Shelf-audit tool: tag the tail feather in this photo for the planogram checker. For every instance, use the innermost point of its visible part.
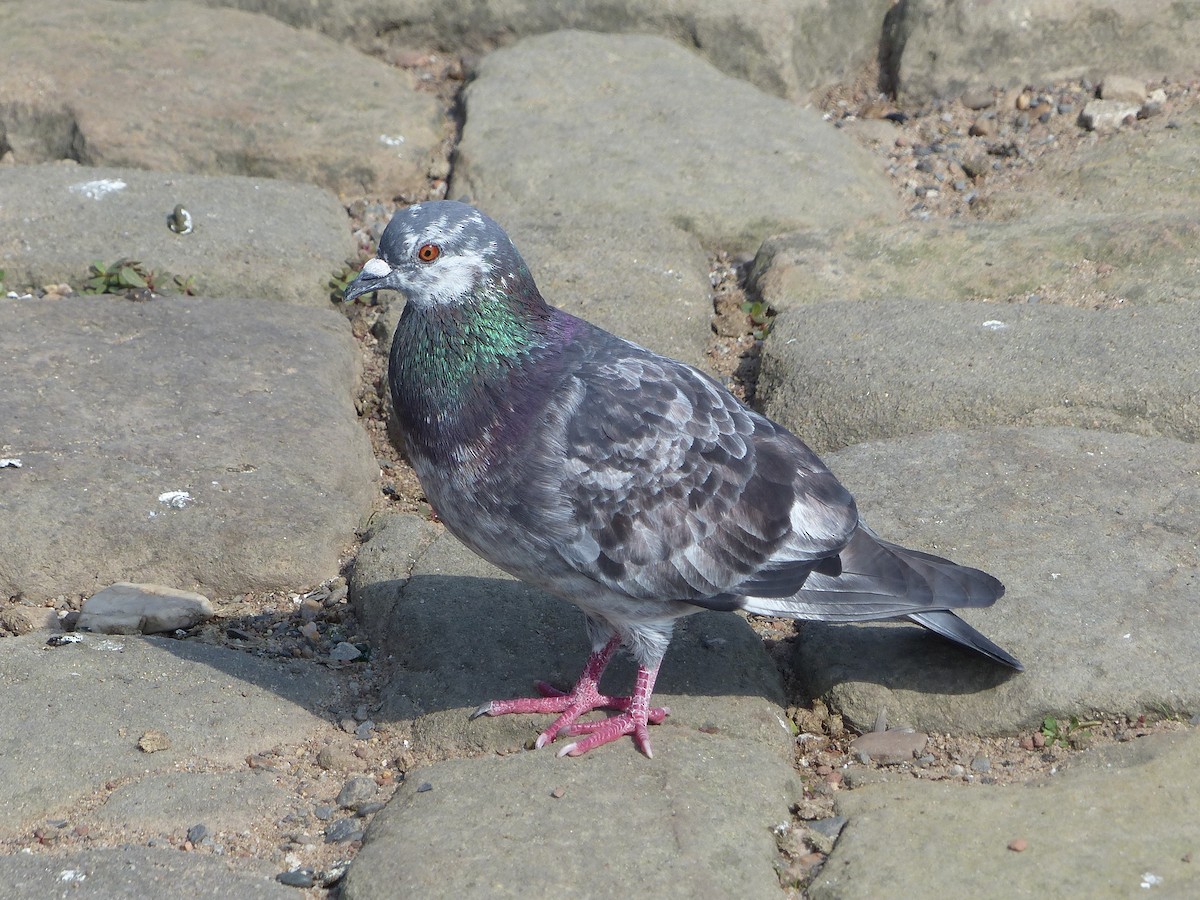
(950, 626)
(881, 580)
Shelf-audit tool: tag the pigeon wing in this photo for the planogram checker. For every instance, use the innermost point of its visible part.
(680, 492)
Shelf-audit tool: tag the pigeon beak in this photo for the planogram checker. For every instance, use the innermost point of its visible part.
(373, 277)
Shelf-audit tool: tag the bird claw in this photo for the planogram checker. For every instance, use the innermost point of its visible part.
(606, 731)
(485, 710)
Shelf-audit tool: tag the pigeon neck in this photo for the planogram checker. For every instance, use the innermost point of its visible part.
(457, 370)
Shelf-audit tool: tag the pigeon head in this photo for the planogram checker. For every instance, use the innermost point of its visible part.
(443, 253)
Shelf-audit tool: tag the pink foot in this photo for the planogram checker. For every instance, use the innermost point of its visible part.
(634, 716)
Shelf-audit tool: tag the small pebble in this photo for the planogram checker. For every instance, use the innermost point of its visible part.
(343, 830)
(558, 793)
(345, 652)
(364, 731)
(830, 827)
(153, 740)
(356, 791)
(323, 813)
(1018, 845)
(981, 764)
(198, 834)
(956, 771)
(425, 786)
(334, 873)
(982, 127)
(301, 878)
(978, 98)
(369, 809)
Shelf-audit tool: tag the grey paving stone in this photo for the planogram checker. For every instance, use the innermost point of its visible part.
(940, 48)
(172, 802)
(617, 192)
(87, 705)
(252, 237)
(1087, 260)
(114, 874)
(635, 114)
(460, 632)
(842, 373)
(693, 822)
(178, 87)
(111, 405)
(1143, 177)
(1094, 535)
(1118, 822)
(782, 46)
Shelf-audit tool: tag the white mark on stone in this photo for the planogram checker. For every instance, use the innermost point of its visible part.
(94, 190)
(10, 463)
(176, 499)
(376, 267)
(391, 140)
(994, 325)
(71, 875)
(1149, 880)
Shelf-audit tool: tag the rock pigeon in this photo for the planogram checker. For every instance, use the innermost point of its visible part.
(630, 484)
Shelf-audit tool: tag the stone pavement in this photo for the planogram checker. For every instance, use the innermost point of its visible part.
(1018, 392)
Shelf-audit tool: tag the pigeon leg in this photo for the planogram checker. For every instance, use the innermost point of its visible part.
(633, 721)
(583, 698)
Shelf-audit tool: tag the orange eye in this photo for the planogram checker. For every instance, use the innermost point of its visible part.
(429, 252)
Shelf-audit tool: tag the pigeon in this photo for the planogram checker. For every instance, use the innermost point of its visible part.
(629, 484)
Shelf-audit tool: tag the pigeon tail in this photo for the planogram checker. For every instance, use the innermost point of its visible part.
(951, 627)
(875, 579)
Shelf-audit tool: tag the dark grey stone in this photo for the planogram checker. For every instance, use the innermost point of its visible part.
(177, 87)
(113, 405)
(1094, 536)
(694, 821)
(253, 237)
(842, 373)
(137, 872)
(215, 704)
(1149, 786)
(636, 111)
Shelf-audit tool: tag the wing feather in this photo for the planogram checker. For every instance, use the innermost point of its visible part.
(680, 492)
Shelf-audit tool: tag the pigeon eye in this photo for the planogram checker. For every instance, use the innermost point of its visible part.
(429, 252)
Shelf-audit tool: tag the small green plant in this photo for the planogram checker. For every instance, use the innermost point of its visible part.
(1066, 732)
(127, 275)
(341, 280)
(761, 318)
(2, 281)
(121, 276)
(185, 283)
